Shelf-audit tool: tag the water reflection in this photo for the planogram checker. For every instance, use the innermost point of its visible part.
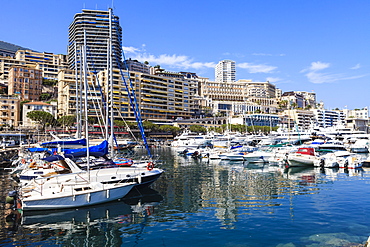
(196, 199)
(88, 225)
(233, 188)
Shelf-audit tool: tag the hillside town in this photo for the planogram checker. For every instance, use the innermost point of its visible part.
(42, 81)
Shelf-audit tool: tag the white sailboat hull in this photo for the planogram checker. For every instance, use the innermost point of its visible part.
(74, 196)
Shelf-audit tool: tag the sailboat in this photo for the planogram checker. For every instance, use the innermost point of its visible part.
(71, 185)
(69, 142)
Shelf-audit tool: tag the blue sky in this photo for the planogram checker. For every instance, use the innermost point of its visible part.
(307, 45)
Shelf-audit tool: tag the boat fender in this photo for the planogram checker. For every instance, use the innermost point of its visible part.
(9, 200)
(46, 165)
(150, 166)
(23, 161)
(32, 165)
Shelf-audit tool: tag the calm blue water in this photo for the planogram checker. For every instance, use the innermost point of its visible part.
(200, 203)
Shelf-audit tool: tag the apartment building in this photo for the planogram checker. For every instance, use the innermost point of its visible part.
(94, 25)
(25, 81)
(303, 119)
(134, 65)
(160, 98)
(225, 71)
(222, 91)
(309, 98)
(48, 62)
(259, 89)
(357, 113)
(36, 106)
(6, 63)
(328, 118)
(71, 94)
(9, 111)
(241, 96)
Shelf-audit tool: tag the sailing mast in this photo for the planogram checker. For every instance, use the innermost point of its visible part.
(84, 62)
(78, 113)
(110, 65)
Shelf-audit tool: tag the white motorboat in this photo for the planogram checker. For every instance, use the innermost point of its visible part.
(330, 159)
(189, 140)
(304, 156)
(280, 155)
(261, 155)
(360, 146)
(352, 161)
(234, 156)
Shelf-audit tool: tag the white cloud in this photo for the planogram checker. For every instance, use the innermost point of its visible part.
(357, 66)
(315, 66)
(314, 76)
(256, 68)
(173, 61)
(130, 49)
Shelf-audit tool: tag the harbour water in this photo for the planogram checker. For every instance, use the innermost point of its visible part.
(211, 203)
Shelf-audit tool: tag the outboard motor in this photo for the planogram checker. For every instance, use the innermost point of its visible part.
(322, 163)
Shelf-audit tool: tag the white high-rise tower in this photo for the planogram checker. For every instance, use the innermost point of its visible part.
(225, 71)
(95, 24)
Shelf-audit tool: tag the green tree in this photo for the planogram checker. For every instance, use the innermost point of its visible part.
(149, 126)
(67, 121)
(283, 104)
(308, 107)
(119, 123)
(45, 96)
(132, 125)
(43, 118)
(49, 82)
(169, 128)
(216, 129)
(198, 129)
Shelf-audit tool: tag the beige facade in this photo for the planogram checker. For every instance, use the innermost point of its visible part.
(223, 91)
(245, 92)
(9, 111)
(25, 82)
(36, 106)
(48, 62)
(260, 89)
(160, 98)
(301, 118)
(6, 63)
(69, 103)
